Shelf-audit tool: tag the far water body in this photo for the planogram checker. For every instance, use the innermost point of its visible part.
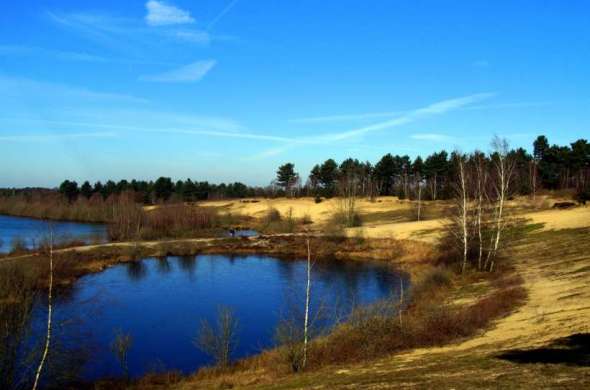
(160, 302)
(33, 231)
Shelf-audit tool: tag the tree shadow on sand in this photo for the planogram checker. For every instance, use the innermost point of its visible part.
(572, 350)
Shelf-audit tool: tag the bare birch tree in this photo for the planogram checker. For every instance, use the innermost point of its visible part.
(348, 189)
(533, 177)
(462, 208)
(419, 194)
(481, 179)
(503, 169)
(49, 312)
(307, 304)
(401, 300)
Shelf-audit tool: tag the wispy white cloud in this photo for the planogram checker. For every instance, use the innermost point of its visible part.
(32, 51)
(434, 109)
(127, 35)
(121, 118)
(391, 114)
(346, 117)
(160, 13)
(157, 123)
(508, 105)
(188, 73)
(54, 136)
(17, 50)
(22, 87)
(199, 37)
(437, 108)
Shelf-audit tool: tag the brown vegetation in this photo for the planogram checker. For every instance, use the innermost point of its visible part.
(54, 206)
(173, 221)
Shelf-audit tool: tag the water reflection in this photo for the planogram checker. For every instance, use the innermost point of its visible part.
(163, 264)
(136, 270)
(188, 264)
(162, 307)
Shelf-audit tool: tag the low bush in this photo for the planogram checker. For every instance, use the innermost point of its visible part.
(306, 219)
(344, 219)
(583, 196)
(18, 245)
(273, 215)
(173, 221)
(429, 320)
(433, 281)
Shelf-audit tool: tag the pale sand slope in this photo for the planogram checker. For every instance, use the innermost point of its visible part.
(430, 230)
(389, 217)
(300, 207)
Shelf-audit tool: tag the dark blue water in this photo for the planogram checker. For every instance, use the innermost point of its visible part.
(161, 302)
(32, 231)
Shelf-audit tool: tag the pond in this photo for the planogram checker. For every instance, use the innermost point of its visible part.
(32, 231)
(161, 302)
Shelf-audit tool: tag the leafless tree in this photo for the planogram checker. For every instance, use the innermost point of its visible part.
(479, 187)
(219, 343)
(533, 177)
(418, 184)
(462, 214)
(49, 311)
(307, 304)
(298, 326)
(401, 300)
(120, 347)
(348, 190)
(503, 168)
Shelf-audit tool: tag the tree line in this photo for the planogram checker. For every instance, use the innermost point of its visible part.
(551, 167)
(161, 190)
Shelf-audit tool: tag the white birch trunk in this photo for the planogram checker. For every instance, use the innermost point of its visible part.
(464, 237)
(307, 301)
(419, 197)
(49, 313)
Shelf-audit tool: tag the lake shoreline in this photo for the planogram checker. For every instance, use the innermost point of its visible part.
(6, 213)
(81, 260)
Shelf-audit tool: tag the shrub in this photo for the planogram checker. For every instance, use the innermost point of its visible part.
(290, 222)
(18, 245)
(273, 215)
(219, 343)
(583, 196)
(437, 278)
(172, 221)
(356, 220)
(305, 220)
(344, 219)
(17, 298)
(376, 330)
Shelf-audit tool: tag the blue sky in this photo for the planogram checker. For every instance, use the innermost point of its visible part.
(228, 90)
